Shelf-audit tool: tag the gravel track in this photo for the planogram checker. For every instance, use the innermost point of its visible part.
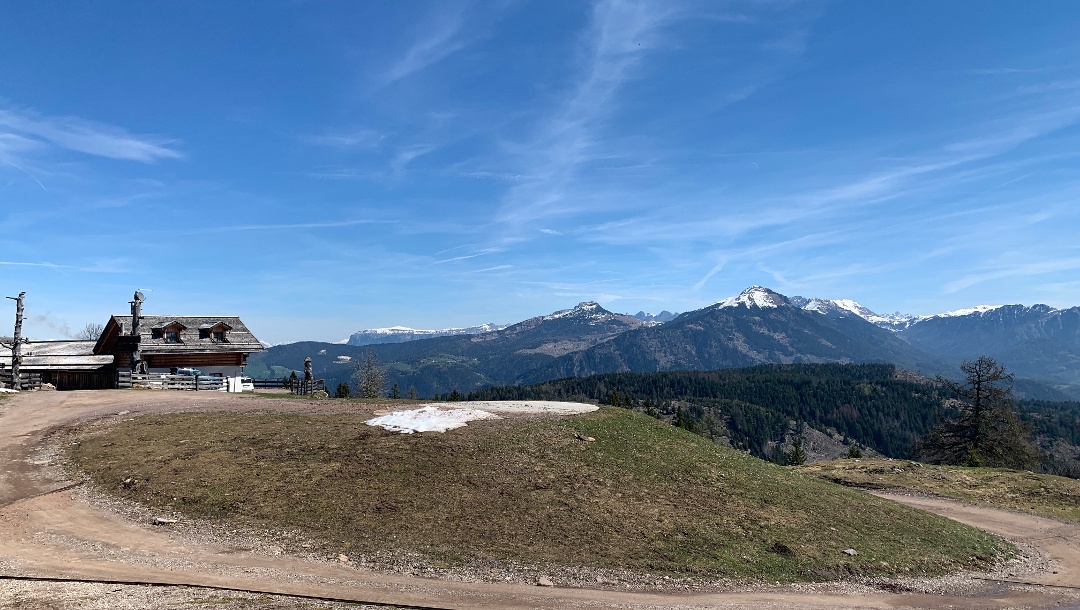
(77, 533)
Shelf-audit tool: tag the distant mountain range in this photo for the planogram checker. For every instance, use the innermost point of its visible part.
(1039, 344)
(660, 318)
(401, 334)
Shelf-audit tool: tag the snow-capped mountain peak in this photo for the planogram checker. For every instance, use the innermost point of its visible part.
(659, 318)
(754, 296)
(842, 307)
(585, 309)
(966, 311)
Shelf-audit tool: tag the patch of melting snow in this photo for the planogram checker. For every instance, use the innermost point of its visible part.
(428, 419)
(432, 418)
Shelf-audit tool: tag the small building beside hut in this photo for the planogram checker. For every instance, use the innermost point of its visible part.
(68, 365)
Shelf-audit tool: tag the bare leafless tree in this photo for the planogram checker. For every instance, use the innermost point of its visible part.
(91, 331)
(370, 376)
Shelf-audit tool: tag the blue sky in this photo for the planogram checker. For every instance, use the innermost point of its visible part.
(322, 167)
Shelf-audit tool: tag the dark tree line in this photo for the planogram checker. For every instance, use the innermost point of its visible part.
(753, 408)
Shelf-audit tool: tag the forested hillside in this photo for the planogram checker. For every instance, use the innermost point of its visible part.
(758, 408)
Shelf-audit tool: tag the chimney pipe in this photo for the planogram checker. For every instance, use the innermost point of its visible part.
(136, 312)
(137, 364)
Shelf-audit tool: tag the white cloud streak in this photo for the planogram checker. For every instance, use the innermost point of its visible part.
(80, 135)
(357, 138)
(1012, 270)
(439, 39)
(32, 176)
(622, 31)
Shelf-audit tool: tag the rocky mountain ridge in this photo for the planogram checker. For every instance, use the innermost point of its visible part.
(758, 326)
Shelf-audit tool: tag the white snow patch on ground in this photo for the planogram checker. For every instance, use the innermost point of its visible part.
(443, 417)
(533, 406)
(428, 419)
(8, 391)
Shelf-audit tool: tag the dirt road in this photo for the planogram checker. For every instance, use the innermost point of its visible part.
(45, 532)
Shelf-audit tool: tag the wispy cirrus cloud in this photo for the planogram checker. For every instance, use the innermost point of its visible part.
(355, 138)
(1006, 70)
(438, 38)
(1012, 269)
(80, 135)
(104, 266)
(482, 252)
(407, 155)
(620, 34)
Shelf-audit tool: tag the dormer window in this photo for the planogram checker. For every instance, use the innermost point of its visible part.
(170, 332)
(216, 334)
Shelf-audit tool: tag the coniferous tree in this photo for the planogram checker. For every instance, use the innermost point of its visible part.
(987, 431)
(797, 456)
(343, 390)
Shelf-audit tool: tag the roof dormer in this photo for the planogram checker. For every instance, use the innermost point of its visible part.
(216, 333)
(170, 332)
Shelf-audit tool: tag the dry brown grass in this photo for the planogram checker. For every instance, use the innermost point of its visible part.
(645, 495)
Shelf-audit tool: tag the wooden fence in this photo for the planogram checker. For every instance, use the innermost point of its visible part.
(30, 381)
(306, 387)
(269, 384)
(165, 381)
(127, 379)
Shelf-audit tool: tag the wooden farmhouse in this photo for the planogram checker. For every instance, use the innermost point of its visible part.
(160, 344)
(212, 344)
(216, 345)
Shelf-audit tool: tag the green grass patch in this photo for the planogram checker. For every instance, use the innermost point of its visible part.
(644, 495)
(1019, 490)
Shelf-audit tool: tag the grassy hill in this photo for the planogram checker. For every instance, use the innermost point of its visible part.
(643, 495)
(1039, 494)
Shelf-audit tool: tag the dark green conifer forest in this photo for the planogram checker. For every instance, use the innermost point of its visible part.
(754, 409)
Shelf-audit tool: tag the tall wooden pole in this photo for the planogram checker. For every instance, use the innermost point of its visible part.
(16, 348)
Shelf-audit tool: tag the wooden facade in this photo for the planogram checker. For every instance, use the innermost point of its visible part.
(213, 344)
(80, 380)
(68, 365)
(166, 343)
(165, 361)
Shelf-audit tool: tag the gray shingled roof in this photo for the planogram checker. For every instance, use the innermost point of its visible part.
(237, 338)
(60, 355)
